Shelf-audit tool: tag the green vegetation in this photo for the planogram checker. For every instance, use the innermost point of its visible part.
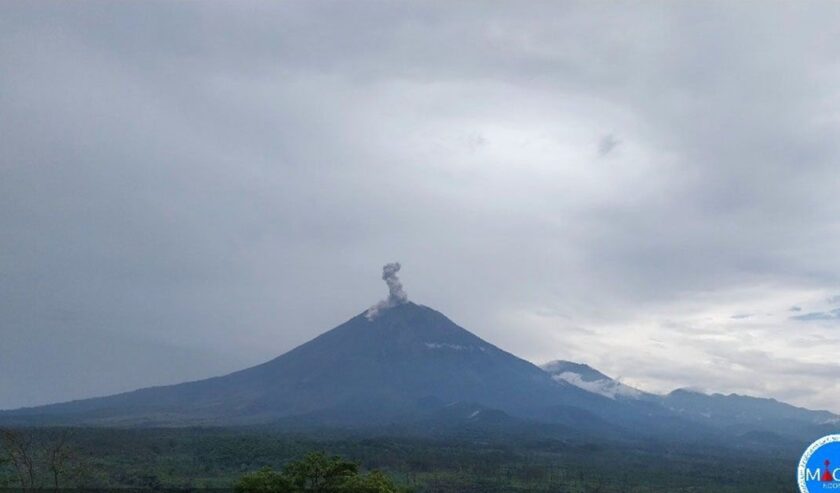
(263, 460)
(316, 473)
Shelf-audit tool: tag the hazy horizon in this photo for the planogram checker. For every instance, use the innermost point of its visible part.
(188, 189)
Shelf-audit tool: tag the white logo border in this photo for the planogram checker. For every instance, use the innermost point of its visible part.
(803, 462)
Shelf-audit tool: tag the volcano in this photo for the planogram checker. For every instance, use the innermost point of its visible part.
(404, 367)
(370, 369)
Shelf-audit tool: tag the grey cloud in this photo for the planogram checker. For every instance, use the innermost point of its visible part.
(829, 315)
(224, 178)
(607, 144)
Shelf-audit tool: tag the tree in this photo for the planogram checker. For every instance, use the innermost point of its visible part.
(61, 460)
(41, 459)
(373, 482)
(319, 473)
(18, 451)
(264, 481)
(316, 473)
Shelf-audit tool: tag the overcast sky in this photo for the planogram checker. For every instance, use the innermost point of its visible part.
(189, 188)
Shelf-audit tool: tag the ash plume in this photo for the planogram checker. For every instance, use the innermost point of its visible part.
(396, 293)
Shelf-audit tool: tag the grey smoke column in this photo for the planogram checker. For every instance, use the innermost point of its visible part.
(396, 293)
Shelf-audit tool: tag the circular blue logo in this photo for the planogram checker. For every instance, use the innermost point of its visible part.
(819, 468)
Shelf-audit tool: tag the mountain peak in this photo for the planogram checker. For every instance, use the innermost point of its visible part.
(688, 391)
(586, 372)
(587, 378)
(408, 326)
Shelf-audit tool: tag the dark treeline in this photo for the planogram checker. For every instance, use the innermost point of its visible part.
(195, 458)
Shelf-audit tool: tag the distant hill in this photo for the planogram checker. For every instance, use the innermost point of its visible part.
(740, 414)
(735, 415)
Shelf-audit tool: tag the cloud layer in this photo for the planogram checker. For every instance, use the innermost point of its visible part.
(614, 184)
